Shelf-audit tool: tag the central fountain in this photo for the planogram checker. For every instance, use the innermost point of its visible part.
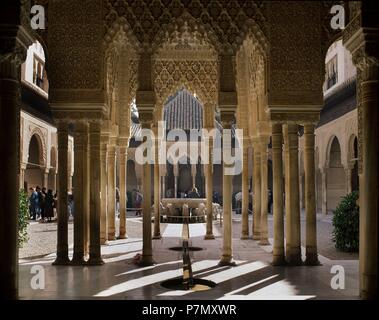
(188, 215)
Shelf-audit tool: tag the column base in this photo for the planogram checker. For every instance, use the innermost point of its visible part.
(78, 259)
(95, 261)
(245, 237)
(279, 261)
(264, 242)
(104, 242)
(226, 261)
(312, 260)
(256, 237)
(78, 262)
(62, 261)
(111, 237)
(146, 261)
(294, 260)
(157, 237)
(209, 237)
(122, 236)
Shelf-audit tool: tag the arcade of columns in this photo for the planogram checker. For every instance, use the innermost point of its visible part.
(280, 89)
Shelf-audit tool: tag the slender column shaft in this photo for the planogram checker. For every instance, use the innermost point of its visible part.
(227, 191)
(277, 170)
(46, 178)
(193, 175)
(175, 186)
(257, 194)
(123, 198)
(111, 192)
(157, 223)
(22, 178)
(294, 198)
(62, 228)
(368, 235)
(95, 183)
(310, 192)
(287, 192)
(264, 195)
(324, 191)
(209, 193)
(147, 251)
(104, 180)
(86, 196)
(80, 166)
(10, 103)
(163, 192)
(245, 192)
(301, 191)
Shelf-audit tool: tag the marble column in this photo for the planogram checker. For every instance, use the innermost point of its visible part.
(104, 190)
(264, 194)
(80, 176)
(54, 180)
(310, 195)
(257, 193)
(123, 197)
(45, 177)
(163, 190)
(157, 222)
(324, 192)
(245, 192)
(193, 175)
(209, 192)
(62, 215)
(227, 191)
(369, 179)
(95, 188)
(10, 103)
(277, 172)
(302, 190)
(86, 204)
(287, 192)
(176, 174)
(147, 245)
(111, 192)
(22, 176)
(294, 257)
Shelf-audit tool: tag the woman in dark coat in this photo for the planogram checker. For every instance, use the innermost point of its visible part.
(49, 205)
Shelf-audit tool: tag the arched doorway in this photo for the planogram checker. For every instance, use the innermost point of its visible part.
(336, 178)
(33, 172)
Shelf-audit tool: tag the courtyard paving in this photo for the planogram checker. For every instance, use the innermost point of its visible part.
(252, 278)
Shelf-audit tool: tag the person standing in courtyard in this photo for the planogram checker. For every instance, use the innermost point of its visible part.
(49, 205)
(33, 200)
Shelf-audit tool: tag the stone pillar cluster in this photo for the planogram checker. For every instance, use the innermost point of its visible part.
(285, 144)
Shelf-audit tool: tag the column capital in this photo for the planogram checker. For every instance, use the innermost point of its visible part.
(123, 141)
(277, 127)
(227, 118)
(309, 128)
(95, 125)
(146, 118)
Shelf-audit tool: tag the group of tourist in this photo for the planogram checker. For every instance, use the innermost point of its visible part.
(41, 204)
